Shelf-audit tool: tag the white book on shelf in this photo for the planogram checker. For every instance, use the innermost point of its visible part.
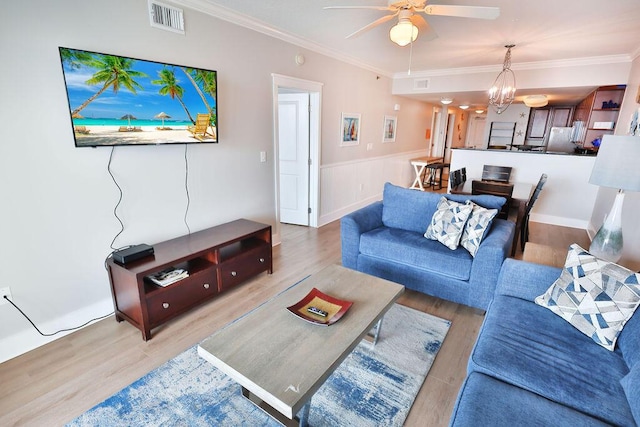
(168, 276)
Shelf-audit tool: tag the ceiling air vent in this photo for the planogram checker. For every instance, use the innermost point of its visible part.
(166, 17)
(421, 84)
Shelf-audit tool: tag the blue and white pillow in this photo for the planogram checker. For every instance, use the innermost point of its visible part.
(447, 223)
(597, 297)
(476, 228)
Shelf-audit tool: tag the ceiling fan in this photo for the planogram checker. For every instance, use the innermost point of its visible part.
(410, 21)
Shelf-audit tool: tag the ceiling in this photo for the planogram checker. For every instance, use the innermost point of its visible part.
(542, 30)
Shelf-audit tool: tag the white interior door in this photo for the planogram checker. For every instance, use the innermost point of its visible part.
(476, 131)
(293, 143)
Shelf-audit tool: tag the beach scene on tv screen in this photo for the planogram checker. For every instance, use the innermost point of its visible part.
(116, 100)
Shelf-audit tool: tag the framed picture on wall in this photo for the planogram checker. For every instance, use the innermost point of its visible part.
(350, 129)
(389, 129)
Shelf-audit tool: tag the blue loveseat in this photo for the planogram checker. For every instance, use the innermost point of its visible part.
(530, 367)
(386, 239)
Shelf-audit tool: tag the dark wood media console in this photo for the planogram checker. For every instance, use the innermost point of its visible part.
(217, 259)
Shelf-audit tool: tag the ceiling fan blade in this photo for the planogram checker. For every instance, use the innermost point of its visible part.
(425, 31)
(360, 7)
(373, 24)
(463, 11)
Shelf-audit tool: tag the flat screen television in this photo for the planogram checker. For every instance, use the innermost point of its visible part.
(116, 100)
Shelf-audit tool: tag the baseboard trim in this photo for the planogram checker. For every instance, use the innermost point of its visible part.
(29, 339)
(333, 216)
(559, 220)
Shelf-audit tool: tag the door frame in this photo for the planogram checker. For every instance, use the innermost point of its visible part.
(314, 89)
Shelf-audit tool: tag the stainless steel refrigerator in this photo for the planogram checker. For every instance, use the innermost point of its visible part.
(560, 140)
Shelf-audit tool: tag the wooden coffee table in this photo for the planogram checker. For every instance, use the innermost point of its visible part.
(281, 360)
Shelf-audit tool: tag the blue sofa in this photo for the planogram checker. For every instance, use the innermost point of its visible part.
(531, 367)
(386, 239)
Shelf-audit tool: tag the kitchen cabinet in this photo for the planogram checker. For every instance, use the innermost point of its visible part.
(541, 120)
(599, 112)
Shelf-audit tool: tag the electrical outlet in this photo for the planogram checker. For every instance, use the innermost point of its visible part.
(3, 292)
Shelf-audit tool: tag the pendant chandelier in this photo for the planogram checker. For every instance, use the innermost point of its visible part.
(503, 91)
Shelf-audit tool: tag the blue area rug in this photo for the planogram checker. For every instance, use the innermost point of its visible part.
(374, 386)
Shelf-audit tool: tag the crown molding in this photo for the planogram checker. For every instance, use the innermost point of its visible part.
(574, 62)
(254, 24)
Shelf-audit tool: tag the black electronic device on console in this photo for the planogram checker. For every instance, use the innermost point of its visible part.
(132, 253)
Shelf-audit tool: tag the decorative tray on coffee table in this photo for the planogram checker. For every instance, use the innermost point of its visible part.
(319, 308)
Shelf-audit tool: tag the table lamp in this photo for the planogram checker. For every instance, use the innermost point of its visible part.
(617, 166)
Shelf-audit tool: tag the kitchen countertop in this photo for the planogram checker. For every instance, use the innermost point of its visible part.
(527, 151)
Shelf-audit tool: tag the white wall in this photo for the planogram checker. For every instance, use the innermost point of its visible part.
(567, 198)
(57, 219)
(515, 113)
(631, 231)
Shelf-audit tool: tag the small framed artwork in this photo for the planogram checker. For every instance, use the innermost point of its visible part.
(389, 129)
(350, 129)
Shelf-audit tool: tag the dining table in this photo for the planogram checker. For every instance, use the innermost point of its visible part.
(522, 192)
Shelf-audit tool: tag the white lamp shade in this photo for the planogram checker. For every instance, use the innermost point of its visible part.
(536, 101)
(403, 33)
(618, 163)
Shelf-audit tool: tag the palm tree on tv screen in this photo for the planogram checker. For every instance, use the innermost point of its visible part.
(113, 72)
(169, 86)
(74, 58)
(206, 80)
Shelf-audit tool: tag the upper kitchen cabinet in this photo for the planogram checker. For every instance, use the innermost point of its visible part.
(541, 120)
(598, 113)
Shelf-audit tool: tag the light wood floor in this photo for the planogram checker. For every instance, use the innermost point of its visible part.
(59, 381)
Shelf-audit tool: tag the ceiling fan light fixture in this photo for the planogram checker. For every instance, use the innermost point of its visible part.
(536, 101)
(503, 91)
(403, 33)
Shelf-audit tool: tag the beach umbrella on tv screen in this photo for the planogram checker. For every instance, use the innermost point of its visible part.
(162, 115)
(128, 117)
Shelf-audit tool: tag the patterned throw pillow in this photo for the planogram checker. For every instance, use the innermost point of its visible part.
(476, 228)
(597, 297)
(447, 223)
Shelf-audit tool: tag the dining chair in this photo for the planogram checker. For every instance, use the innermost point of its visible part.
(524, 231)
(455, 178)
(496, 173)
(434, 174)
(495, 189)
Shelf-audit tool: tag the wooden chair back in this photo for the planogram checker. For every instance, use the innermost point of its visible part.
(536, 193)
(496, 173)
(495, 189)
(455, 178)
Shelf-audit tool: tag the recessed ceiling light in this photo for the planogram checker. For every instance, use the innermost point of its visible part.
(446, 101)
